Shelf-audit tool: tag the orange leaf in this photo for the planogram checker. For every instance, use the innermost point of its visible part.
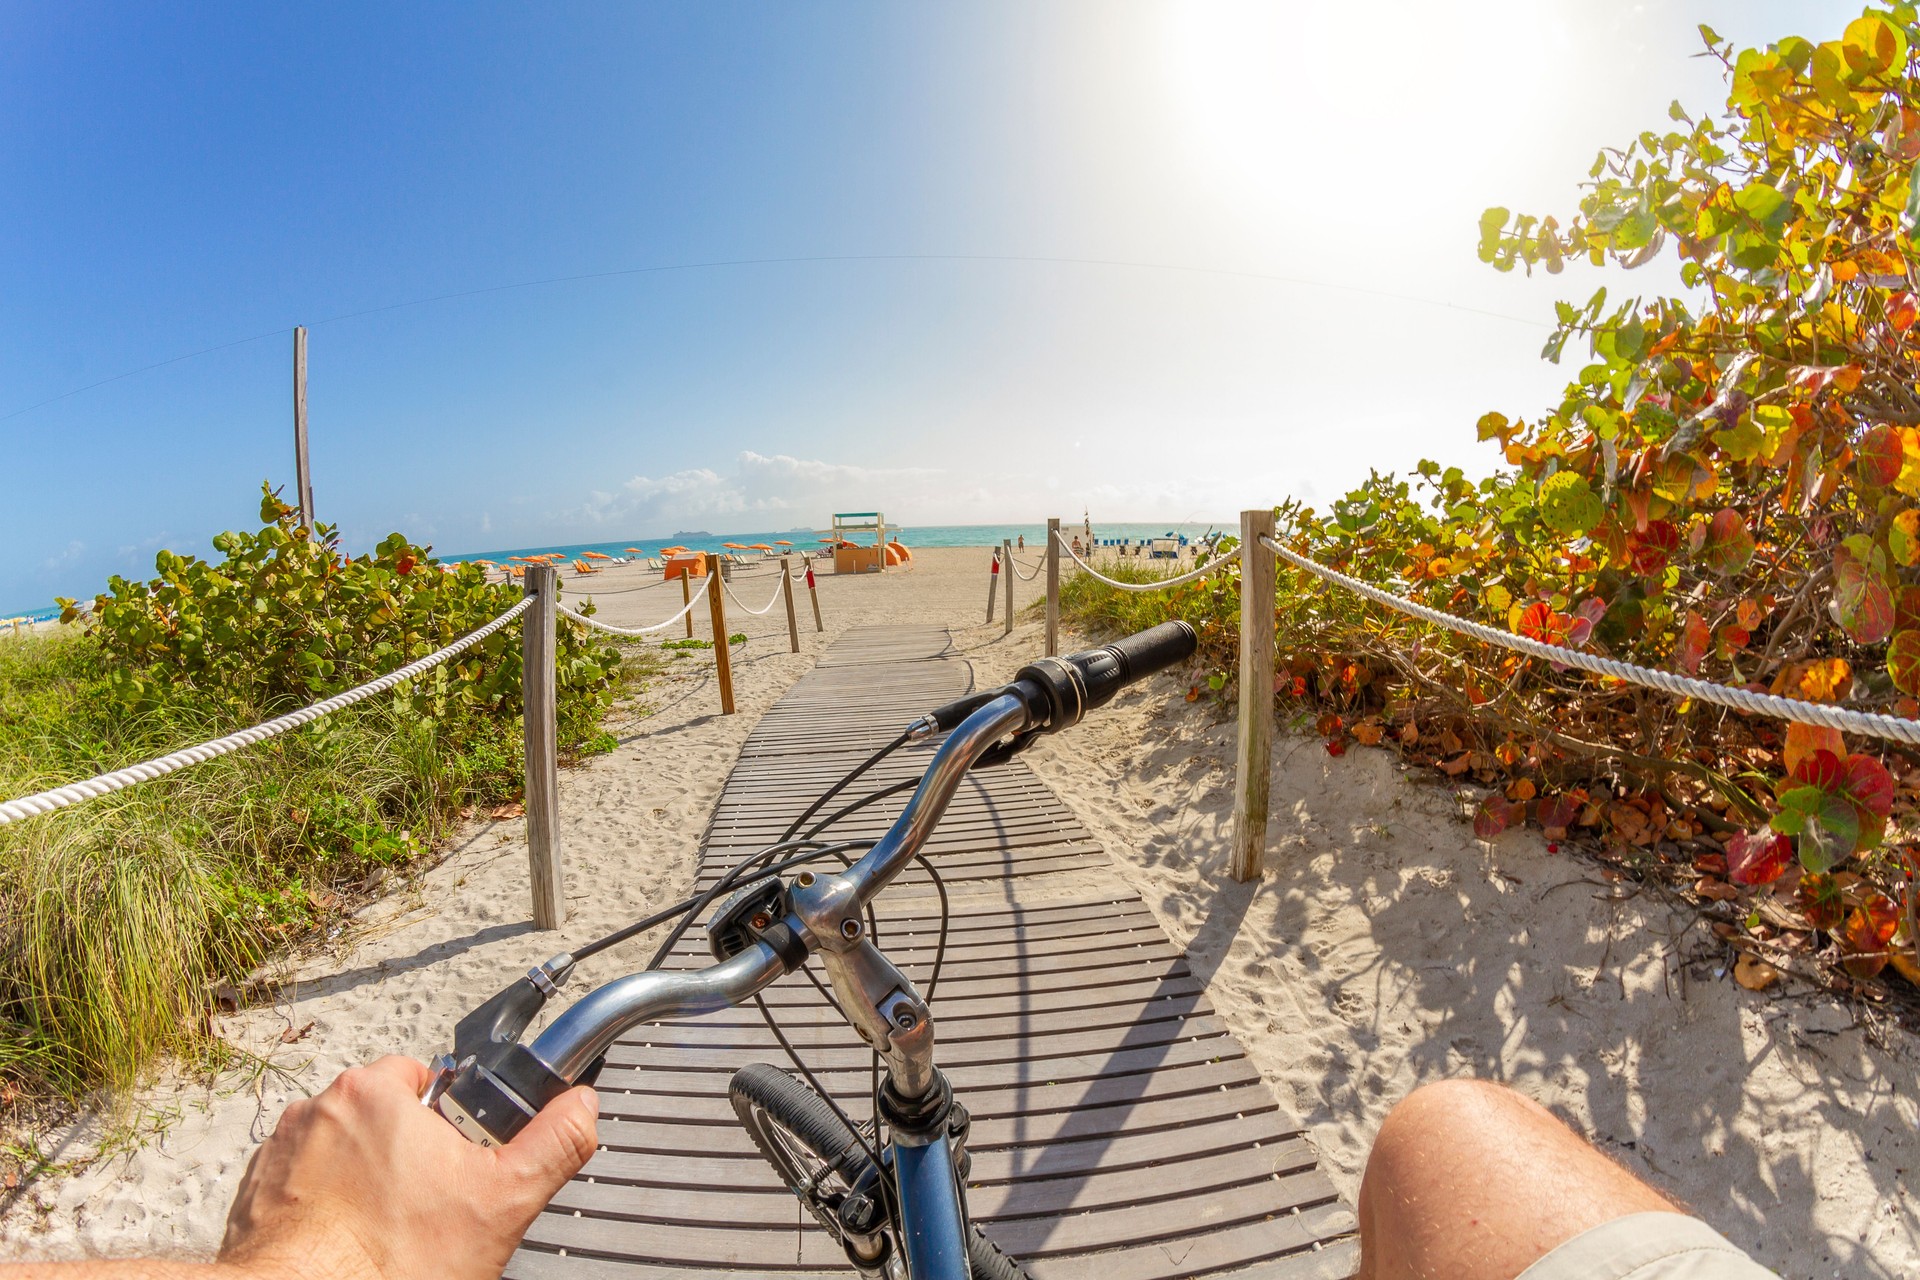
(1803, 740)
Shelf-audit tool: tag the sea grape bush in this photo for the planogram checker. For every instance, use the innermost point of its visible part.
(285, 619)
(1729, 487)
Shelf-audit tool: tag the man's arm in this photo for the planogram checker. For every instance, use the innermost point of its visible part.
(364, 1183)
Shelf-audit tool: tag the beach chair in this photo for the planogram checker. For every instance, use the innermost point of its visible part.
(584, 568)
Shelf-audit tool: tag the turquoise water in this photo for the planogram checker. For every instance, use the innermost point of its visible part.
(937, 535)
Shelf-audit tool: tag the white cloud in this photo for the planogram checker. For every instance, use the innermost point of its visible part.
(62, 559)
(776, 488)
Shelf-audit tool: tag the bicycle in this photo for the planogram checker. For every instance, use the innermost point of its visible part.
(896, 1205)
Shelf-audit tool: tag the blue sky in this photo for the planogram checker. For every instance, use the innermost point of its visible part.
(175, 180)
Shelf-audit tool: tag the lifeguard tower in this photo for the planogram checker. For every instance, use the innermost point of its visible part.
(848, 555)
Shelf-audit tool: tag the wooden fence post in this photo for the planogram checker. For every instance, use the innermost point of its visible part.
(722, 655)
(538, 699)
(686, 599)
(1053, 585)
(786, 593)
(814, 596)
(1006, 561)
(1252, 776)
(993, 584)
(302, 473)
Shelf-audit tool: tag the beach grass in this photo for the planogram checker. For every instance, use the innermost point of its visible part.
(120, 917)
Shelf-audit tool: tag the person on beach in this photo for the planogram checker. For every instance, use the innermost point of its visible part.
(1023, 542)
(1466, 1181)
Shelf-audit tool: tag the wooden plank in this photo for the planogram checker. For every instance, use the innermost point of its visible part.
(1253, 760)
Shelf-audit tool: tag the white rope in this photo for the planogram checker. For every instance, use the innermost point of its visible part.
(1026, 577)
(598, 625)
(736, 599)
(120, 779)
(1158, 585)
(1764, 704)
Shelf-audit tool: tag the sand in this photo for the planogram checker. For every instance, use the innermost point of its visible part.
(1384, 947)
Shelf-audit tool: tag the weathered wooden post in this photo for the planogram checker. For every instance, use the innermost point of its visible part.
(993, 584)
(786, 593)
(302, 473)
(538, 698)
(686, 596)
(1253, 767)
(722, 655)
(814, 596)
(1053, 585)
(1006, 558)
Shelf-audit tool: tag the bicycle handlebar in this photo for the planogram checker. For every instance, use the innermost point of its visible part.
(491, 1101)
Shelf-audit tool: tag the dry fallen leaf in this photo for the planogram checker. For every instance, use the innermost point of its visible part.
(1455, 767)
(1754, 973)
(1410, 734)
(290, 1036)
(1717, 890)
(1367, 735)
(503, 812)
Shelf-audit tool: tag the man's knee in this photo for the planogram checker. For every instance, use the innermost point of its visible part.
(1452, 1116)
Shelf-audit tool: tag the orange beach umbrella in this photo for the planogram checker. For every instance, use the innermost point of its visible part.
(758, 546)
(635, 551)
(596, 555)
(781, 542)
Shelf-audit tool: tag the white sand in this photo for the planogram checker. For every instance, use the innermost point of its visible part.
(1385, 947)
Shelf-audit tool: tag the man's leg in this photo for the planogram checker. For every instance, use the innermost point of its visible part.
(1471, 1181)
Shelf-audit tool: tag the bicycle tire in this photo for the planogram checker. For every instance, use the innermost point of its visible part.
(764, 1096)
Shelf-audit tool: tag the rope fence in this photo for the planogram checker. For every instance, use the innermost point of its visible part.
(766, 608)
(120, 779)
(597, 625)
(1026, 577)
(1159, 584)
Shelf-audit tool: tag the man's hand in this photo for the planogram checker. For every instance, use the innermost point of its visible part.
(364, 1182)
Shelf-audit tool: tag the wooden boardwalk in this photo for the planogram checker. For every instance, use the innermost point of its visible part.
(1119, 1132)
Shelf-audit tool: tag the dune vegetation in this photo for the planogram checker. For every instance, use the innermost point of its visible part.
(1729, 488)
(122, 919)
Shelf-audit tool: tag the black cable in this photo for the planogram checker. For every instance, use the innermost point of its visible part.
(871, 797)
(940, 948)
(841, 785)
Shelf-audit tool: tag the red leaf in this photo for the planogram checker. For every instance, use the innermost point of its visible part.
(1866, 782)
(1556, 813)
(1878, 457)
(1695, 637)
(404, 565)
(1540, 622)
(1728, 545)
(1864, 937)
(1586, 616)
(1650, 550)
(1336, 747)
(1902, 310)
(1822, 769)
(1903, 661)
(1821, 902)
(1495, 815)
(1862, 600)
(1758, 857)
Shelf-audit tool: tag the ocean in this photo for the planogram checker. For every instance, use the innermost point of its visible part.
(936, 535)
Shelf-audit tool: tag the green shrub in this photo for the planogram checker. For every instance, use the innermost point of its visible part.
(119, 917)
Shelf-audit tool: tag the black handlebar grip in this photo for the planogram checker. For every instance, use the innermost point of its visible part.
(1065, 689)
(1156, 649)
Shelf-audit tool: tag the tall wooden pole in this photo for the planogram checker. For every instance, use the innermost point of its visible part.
(1053, 585)
(1252, 770)
(722, 655)
(993, 584)
(813, 594)
(786, 593)
(686, 595)
(538, 698)
(1006, 561)
(302, 473)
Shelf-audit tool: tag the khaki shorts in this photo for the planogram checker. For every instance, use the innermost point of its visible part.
(1648, 1246)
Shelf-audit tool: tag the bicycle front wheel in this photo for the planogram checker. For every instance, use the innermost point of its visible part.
(821, 1160)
